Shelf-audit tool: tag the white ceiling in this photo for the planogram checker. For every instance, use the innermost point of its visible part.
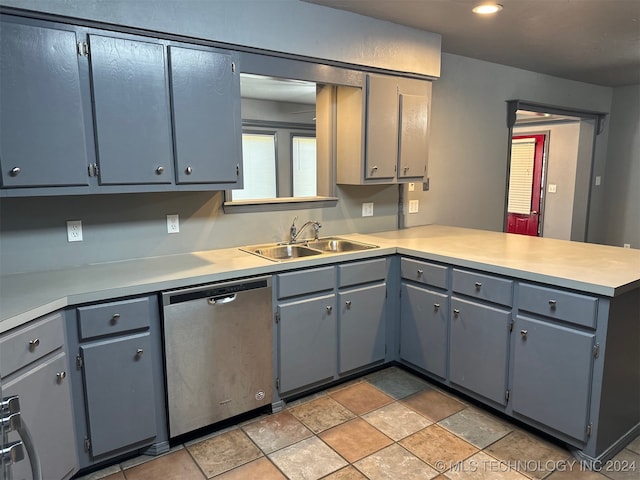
(593, 41)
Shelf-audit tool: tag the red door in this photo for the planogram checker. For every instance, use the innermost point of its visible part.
(525, 180)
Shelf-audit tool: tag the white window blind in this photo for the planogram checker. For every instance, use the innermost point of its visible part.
(304, 166)
(521, 176)
(259, 166)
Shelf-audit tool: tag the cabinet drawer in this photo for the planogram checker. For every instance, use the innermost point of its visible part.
(424, 272)
(362, 272)
(484, 287)
(550, 302)
(113, 317)
(30, 343)
(306, 281)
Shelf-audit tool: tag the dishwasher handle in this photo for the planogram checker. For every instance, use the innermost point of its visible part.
(221, 300)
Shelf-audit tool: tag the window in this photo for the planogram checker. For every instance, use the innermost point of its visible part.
(259, 165)
(304, 170)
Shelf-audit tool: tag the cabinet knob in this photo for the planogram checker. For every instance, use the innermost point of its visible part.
(329, 308)
(420, 273)
(436, 306)
(60, 376)
(160, 170)
(139, 353)
(348, 304)
(456, 312)
(552, 304)
(15, 171)
(115, 318)
(478, 285)
(523, 334)
(374, 169)
(188, 170)
(33, 344)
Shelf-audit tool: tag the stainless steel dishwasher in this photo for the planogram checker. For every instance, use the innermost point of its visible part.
(218, 348)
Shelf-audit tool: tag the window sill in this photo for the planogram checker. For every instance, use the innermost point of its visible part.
(278, 204)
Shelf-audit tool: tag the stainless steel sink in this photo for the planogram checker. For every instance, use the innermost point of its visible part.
(283, 251)
(338, 245)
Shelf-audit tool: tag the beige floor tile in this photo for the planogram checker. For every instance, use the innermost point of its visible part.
(224, 452)
(355, 439)
(575, 472)
(634, 446)
(115, 476)
(321, 414)
(438, 447)
(624, 466)
(276, 431)
(395, 463)
(397, 421)
(173, 466)
(482, 467)
(433, 404)
(527, 453)
(260, 469)
(361, 398)
(308, 459)
(346, 473)
(476, 426)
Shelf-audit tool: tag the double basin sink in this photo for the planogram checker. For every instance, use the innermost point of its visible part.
(288, 251)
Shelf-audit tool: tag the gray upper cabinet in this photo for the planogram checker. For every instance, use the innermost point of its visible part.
(383, 130)
(205, 100)
(131, 109)
(42, 125)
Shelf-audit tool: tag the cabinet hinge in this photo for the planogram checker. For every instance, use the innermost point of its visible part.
(87, 444)
(277, 317)
(93, 169)
(507, 394)
(596, 350)
(79, 361)
(277, 383)
(511, 326)
(589, 428)
(233, 67)
(83, 49)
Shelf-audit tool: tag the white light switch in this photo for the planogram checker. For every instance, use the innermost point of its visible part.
(367, 209)
(413, 206)
(173, 223)
(412, 186)
(598, 180)
(552, 188)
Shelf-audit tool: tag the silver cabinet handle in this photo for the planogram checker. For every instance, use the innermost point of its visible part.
(478, 285)
(115, 318)
(348, 304)
(420, 272)
(374, 169)
(436, 306)
(160, 170)
(456, 312)
(12, 453)
(15, 171)
(33, 344)
(139, 353)
(523, 333)
(60, 376)
(552, 303)
(188, 170)
(329, 308)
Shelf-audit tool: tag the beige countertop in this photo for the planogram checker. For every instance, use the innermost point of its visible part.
(595, 269)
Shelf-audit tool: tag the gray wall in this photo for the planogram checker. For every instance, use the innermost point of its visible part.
(622, 176)
(469, 138)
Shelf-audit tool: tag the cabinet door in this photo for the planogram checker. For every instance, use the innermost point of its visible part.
(307, 342)
(381, 133)
(362, 331)
(205, 93)
(552, 375)
(412, 135)
(131, 108)
(45, 405)
(479, 348)
(119, 392)
(423, 328)
(42, 127)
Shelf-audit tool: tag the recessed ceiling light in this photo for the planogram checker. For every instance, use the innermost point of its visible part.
(487, 8)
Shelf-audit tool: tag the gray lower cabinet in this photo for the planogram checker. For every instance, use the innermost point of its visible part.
(118, 378)
(306, 342)
(552, 375)
(42, 124)
(424, 315)
(479, 348)
(34, 366)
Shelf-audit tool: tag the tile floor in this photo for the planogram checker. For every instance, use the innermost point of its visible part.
(387, 425)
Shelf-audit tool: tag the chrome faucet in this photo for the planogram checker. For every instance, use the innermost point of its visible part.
(294, 233)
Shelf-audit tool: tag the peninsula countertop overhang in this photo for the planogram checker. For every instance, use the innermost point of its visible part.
(596, 269)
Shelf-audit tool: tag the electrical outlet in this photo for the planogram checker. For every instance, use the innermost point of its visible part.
(367, 209)
(413, 206)
(173, 223)
(598, 180)
(552, 188)
(74, 231)
(412, 186)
